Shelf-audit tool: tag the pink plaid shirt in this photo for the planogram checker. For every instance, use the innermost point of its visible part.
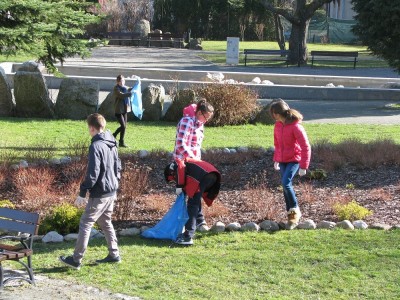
(189, 136)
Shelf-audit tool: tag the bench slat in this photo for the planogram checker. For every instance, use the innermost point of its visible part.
(19, 215)
(18, 226)
(334, 53)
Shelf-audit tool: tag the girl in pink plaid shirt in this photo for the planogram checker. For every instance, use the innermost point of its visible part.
(190, 130)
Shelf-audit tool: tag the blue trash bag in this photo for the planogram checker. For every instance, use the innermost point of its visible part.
(172, 223)
(136, 100)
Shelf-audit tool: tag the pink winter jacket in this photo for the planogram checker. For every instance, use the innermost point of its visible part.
(291, 144)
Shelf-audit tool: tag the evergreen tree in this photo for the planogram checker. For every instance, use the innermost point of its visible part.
(378, 26)
(50, 30)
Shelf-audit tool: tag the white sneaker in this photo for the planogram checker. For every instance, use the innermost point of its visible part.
(203, 227)
(294, 215)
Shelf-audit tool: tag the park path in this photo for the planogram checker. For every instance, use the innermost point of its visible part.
(52, 289)
(141, 57)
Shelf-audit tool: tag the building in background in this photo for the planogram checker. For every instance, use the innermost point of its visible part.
(340, 10)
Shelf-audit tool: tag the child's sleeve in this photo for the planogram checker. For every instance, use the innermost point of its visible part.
(120, 95)
(92, 173)
(302, 139)
(276, 145)
(184, 131)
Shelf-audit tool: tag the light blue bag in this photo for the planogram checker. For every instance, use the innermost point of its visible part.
(172, 223)
(136, 100)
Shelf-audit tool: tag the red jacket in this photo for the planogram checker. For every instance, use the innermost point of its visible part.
(189, 174)
(291, 144)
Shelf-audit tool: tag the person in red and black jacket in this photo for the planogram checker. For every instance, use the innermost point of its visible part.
(198, 179)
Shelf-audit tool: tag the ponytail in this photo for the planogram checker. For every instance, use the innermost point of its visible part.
(204, 106)
(280, 107)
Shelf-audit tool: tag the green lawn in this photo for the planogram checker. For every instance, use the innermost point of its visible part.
(19, 136)
(286, 265)
(16, 58)
(221, 46)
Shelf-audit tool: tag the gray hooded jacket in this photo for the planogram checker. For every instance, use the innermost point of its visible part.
(104, 167)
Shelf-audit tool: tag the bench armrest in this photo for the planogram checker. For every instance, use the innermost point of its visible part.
(14, 238)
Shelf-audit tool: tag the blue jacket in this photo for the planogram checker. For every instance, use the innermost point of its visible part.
(104, 167)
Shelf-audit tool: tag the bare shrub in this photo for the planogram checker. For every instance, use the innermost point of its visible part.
(34, 189)
(307, 193)
(78, 149)
(134, 182)
(69, 178)
(327, 155)
(7, 157)
(233, 104)
(380, 194)
(215, 211)
(158, 204)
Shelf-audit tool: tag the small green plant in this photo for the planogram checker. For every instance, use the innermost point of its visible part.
(351, 211)
(350, 186)
(63, 218)
(317, 174)
(7, 204)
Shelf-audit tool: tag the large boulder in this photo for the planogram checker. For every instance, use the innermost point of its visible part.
(182, 99)
(77, 99)
(195, 44)
(107, 108)
(152, 101)
(142, 27)
(391, 85)
(263, 116)
(6, 100)
(31, 93)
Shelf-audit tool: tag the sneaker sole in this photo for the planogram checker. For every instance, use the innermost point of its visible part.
(68, 265)
(184, 243)
(109, 262)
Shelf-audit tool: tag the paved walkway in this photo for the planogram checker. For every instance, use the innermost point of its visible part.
(139, 57)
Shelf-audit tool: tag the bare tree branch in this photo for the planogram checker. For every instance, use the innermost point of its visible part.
(280, 11)
(313, 6)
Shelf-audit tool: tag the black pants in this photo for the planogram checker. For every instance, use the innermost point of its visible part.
(122, 120)
(194, 205)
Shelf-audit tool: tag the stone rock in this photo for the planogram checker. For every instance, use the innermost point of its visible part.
(53, 237)
(256, 80)
(198, 47)
(194, 43)
(65, 160)
(6, 99)
(380, 226)
(31, 94)
(232, 150)
(307, 224)
(346, 224)
(326, 225)
(144, 228)
(360, 224)
(233, 227)
(226, 151)
(153, 101)
(77, 99)
(243, 149)
(142, 28)
(143, 153)
(14, 167)
(396, 227)
(23, 164)
(268, 225)
(129, 231)
(106, 108)
(37, 238)
(215, 77)
(71, 237)
(391, 85)
(331, 85)
(267, 82)
(158, 31)
(251, 226)
(218, 227)
(182, 99)
(340, 86)
(54, 161)
(31, 66)
(263, 116)
(282, 225)
(94, 232)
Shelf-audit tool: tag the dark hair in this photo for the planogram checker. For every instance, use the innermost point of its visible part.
(119, 78)
(280, 107)
(204, 106)
(169, 173)
(97, 121)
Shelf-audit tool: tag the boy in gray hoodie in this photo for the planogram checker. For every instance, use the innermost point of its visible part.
(101, 181)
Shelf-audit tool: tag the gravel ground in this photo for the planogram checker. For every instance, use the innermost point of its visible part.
(60, 289)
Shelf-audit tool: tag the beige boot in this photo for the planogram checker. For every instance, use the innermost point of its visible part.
(294, 216)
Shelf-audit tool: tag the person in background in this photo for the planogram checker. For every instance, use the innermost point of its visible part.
(101, 181)
(122, 106)
(292, 151)
(189, 137)
(197, 179)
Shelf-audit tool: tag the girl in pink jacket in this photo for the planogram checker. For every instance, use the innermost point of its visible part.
(292, 153)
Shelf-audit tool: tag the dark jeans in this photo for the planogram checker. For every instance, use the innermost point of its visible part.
(194, 205)
(288, 171)
(122, 120)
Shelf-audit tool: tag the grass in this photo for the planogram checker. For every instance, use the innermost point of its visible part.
(20, 135)
(287, 265)
(365, 58)
(16, 58)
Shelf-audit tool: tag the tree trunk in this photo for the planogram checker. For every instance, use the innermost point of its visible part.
(298, 42)
(279, 34)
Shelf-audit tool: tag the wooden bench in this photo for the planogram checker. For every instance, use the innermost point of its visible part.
(331, 54)
(124, 38)
(23, 222)
(279, 55)
(164, 40)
